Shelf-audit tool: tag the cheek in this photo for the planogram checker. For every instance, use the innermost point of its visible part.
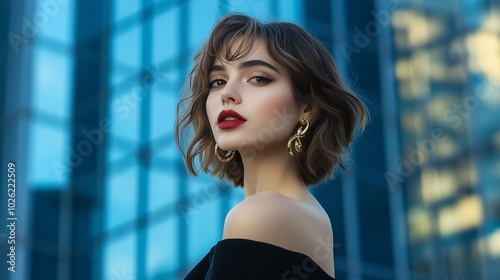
(210, 107)
(279, 115)
(281, 103)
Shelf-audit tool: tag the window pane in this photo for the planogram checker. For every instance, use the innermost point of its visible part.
(121, 197)
(50, 167)
(52, 82)
(54, 20)
(123, 9)
(163, 248)
(166, 35)
(120, 258)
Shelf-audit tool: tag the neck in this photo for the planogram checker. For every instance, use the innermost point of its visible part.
(272, 169)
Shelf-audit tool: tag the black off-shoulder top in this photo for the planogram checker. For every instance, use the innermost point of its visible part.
(245, 259)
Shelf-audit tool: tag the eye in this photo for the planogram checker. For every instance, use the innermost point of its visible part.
(216, 83)
(260, 80)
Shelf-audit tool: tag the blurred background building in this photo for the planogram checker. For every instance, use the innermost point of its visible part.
(88, 97)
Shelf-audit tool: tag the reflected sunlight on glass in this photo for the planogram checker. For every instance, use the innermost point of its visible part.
(420, 223)
(438, 186)
(494, 243)
(484, 50)
(419, 28)
(463, 215)
(412, 122)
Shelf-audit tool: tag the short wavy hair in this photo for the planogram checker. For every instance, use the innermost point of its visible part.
(337, 113)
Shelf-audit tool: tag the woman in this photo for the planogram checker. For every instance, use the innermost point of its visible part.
(270, 114)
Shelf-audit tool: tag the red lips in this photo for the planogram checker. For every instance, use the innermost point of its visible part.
(229, 119)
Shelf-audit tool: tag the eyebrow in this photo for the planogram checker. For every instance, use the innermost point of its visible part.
(246, 64)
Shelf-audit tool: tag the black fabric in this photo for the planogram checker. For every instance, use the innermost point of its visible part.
(244, 259)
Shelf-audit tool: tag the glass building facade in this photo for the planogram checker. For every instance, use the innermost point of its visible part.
(88, 100)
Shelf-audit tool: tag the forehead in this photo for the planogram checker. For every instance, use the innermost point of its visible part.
(257, 50)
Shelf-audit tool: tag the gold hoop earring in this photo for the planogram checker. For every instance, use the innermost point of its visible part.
(225, 158)
(295, 146)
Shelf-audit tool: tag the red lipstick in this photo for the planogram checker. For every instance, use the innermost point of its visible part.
(229, 119)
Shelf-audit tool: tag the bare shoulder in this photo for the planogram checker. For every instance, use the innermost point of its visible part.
(276, 219)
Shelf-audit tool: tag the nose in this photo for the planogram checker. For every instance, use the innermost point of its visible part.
(230, 93)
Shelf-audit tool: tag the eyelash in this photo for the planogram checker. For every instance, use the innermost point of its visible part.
(265, 81)
(211, 86)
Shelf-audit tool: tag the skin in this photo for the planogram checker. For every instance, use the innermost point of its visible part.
(278, 207)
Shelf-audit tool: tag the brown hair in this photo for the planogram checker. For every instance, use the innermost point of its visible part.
(337, 114)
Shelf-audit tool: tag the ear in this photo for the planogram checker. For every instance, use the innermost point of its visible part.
(308, 111)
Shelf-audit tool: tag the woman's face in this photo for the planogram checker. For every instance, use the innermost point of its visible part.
(250, 104)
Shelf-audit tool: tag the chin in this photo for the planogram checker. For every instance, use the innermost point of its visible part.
(230, 142)
(226, 146)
